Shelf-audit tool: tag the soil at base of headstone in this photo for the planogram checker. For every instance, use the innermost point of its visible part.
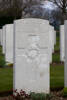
(56, 95)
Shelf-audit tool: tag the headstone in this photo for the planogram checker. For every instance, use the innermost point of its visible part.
(9, 43)
(51, 41)
(31, 55)
(62, 40)
(4, 40)
(65, 64)
(51, 32)
(0, 36)
(54, 37)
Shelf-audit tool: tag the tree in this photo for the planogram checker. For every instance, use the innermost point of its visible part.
(16, 8)
(62, 4)
(11, 8)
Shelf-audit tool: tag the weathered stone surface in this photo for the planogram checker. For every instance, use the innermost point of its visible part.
(31, 55)
(9, 43)
(62, 44)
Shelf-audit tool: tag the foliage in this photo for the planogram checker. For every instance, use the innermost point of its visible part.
(57, 46)
(2, 61)
(10, 65)
(56, 58)
(20, 95)
(62, 4)
(65, 92)
(56, 54)
(2, 58)
(40, 96)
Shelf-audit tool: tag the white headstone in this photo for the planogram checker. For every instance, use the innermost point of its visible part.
(62, 40)
(0, 36)
(54, 37)
(51, 32)
(65, 65)
(4, 40)
(51, 41)
(9, 43)
(31, 55)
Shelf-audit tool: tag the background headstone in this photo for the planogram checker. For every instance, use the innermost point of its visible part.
(62, 40)
(51, 40)
(9, 43)
(54, 37)
(51, 32)
(0, 36)
(65, 64)
(4, 40)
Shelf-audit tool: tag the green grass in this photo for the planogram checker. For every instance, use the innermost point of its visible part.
(57, 47)
(6, 79)
(57, 76)
(40, 96)
(6, 74)
(65, 92)
(57, 70)
(2, 58)
(56, 57)
(0, 50)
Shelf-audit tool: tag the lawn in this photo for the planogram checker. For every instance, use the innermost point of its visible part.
(56, 57)
(6, 79)
(57, 47)
(56, 72)
(57, 76)
(2, 58)
(57, 69)
(6, 74)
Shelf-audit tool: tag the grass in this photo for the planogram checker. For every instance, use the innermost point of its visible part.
(6, 79)
(56, 57)
(2, 58)
(6, 74)
(40, 96)
(57, 47)
(57, 76)
(57, 70)
(65, 92)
